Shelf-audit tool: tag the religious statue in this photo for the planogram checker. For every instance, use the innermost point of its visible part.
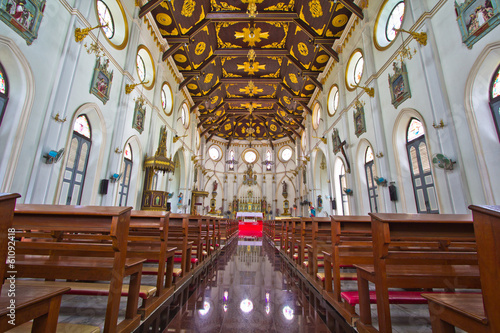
(320, 201)
(180, 199)
(284, 187)
(215, 186)
(249, 178)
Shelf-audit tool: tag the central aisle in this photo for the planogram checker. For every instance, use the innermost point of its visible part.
(250, 290)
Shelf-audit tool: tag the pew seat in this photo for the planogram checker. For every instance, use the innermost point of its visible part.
(343, 276)
(88, 288)
(61, 328)
(148, 270)
(395, 297)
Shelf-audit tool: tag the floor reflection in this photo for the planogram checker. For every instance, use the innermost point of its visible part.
(250, 290)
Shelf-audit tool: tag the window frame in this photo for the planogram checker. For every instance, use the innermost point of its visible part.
(4, 97)
(495, 102)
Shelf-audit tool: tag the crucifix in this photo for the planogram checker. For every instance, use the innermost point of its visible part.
(342, 144)
(339, 146)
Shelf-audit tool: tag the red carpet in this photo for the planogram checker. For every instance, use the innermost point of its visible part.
(250, 229)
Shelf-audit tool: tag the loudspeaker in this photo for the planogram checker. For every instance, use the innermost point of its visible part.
(103, 189)
(334, 204)
(393, 194)
(168, 206)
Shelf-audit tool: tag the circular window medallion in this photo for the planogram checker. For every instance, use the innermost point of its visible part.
(250, 155)
(185, 116)
(167, 99)
(215, 153)
(285, 154)
(113, 20)
(333, 100)
(145, 67)
(389, 19)
(354, 70)
(316, 116)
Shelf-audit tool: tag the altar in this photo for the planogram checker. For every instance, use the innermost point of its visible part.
(251, 224)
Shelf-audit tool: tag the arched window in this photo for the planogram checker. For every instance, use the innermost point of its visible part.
(268, 160)
(231, 159)
(127, 171)
(495, 99)
(4, 92)
(418, 156)
(343, 188)
(76, 166)
(394, 21)
(370, 171)
(316, 116)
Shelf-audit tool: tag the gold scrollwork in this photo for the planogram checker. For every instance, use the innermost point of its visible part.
(188, 8)
(282, 7)
(315, 8)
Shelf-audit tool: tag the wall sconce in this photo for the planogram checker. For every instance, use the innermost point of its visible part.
(380, 181)
(130, 87)
(118, 151)
(380, 155)
(80, 34)
(323, 139)
(439, 125)
(369, 91)
(176, 137)
(348, 191)
(115, 177)
(53, 156)
(59, 120)
(420, 37)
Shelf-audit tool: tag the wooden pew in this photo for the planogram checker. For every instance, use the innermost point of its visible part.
(148, 238)
(474, 312)
(321, 233)
(107, 229)
(178, 230)
(293, 236)
(305, 238)
(415, 251)
(351, 244)
(38, 303)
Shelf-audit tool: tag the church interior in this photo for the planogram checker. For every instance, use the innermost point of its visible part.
(249, 165)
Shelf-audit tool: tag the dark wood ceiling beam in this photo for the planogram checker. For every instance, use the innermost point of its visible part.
(186, 81)
(355, 9)
(316, 82)
(244, 111)
(195, 106)
(171, 50)
(304, 105)
(202, 122)
(209, 137)
(176, 40)
(243, 16)
(148, 7)
(291, 93)
(331, 52)
(290, 136)
(245, 80)
(244, 52)
(267, 131)
(197, 28)
(250, 100)
(204, 97)
(216, 123)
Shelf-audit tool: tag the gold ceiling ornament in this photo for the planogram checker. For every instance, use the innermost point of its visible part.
(251, 35)
(251, 67)
(252, 7)
(251, 89)
(251, 55)
(130, 87)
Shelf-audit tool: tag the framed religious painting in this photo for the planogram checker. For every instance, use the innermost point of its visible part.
(101, 81)
(139, 115)
(476, 18)
(336, 141)
(23, 16)
(359, 119)
(399, 85)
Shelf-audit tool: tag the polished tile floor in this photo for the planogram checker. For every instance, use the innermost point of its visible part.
(249, 292)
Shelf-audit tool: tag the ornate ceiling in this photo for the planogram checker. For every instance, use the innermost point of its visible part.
(251, 66)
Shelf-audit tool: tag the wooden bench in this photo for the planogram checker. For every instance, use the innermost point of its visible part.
(415, 251)
(305, 237)
(101, 230)
(351, 244)
(474, 313)
(178, 230)
(293, 236)
(38, 303)
(321, 233)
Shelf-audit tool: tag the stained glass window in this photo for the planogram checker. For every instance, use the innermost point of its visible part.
(250, 156)
(163, 99)
(369, 155)
(394, 21)
(214, 153)
(268, 159)
(166, 98)
(3, 83)
(128, 152)
(415, 130)
(141, 68)
(231, 158)
(82, 126)
(316, 116)
(495, 89)
(105, 18)
(358, 70)
(286, 154)
(185, 115)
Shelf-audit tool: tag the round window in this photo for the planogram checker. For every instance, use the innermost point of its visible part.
(214, 153)
(114, 22)
(389, 19)
(145, 67)
(354, 70)
(167, 99)
(316, 117)
(333, 100)
(285, 154)
(185, 115)
(250, 156)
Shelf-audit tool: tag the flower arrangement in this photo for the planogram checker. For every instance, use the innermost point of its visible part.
(348, 191)
(380, 181)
